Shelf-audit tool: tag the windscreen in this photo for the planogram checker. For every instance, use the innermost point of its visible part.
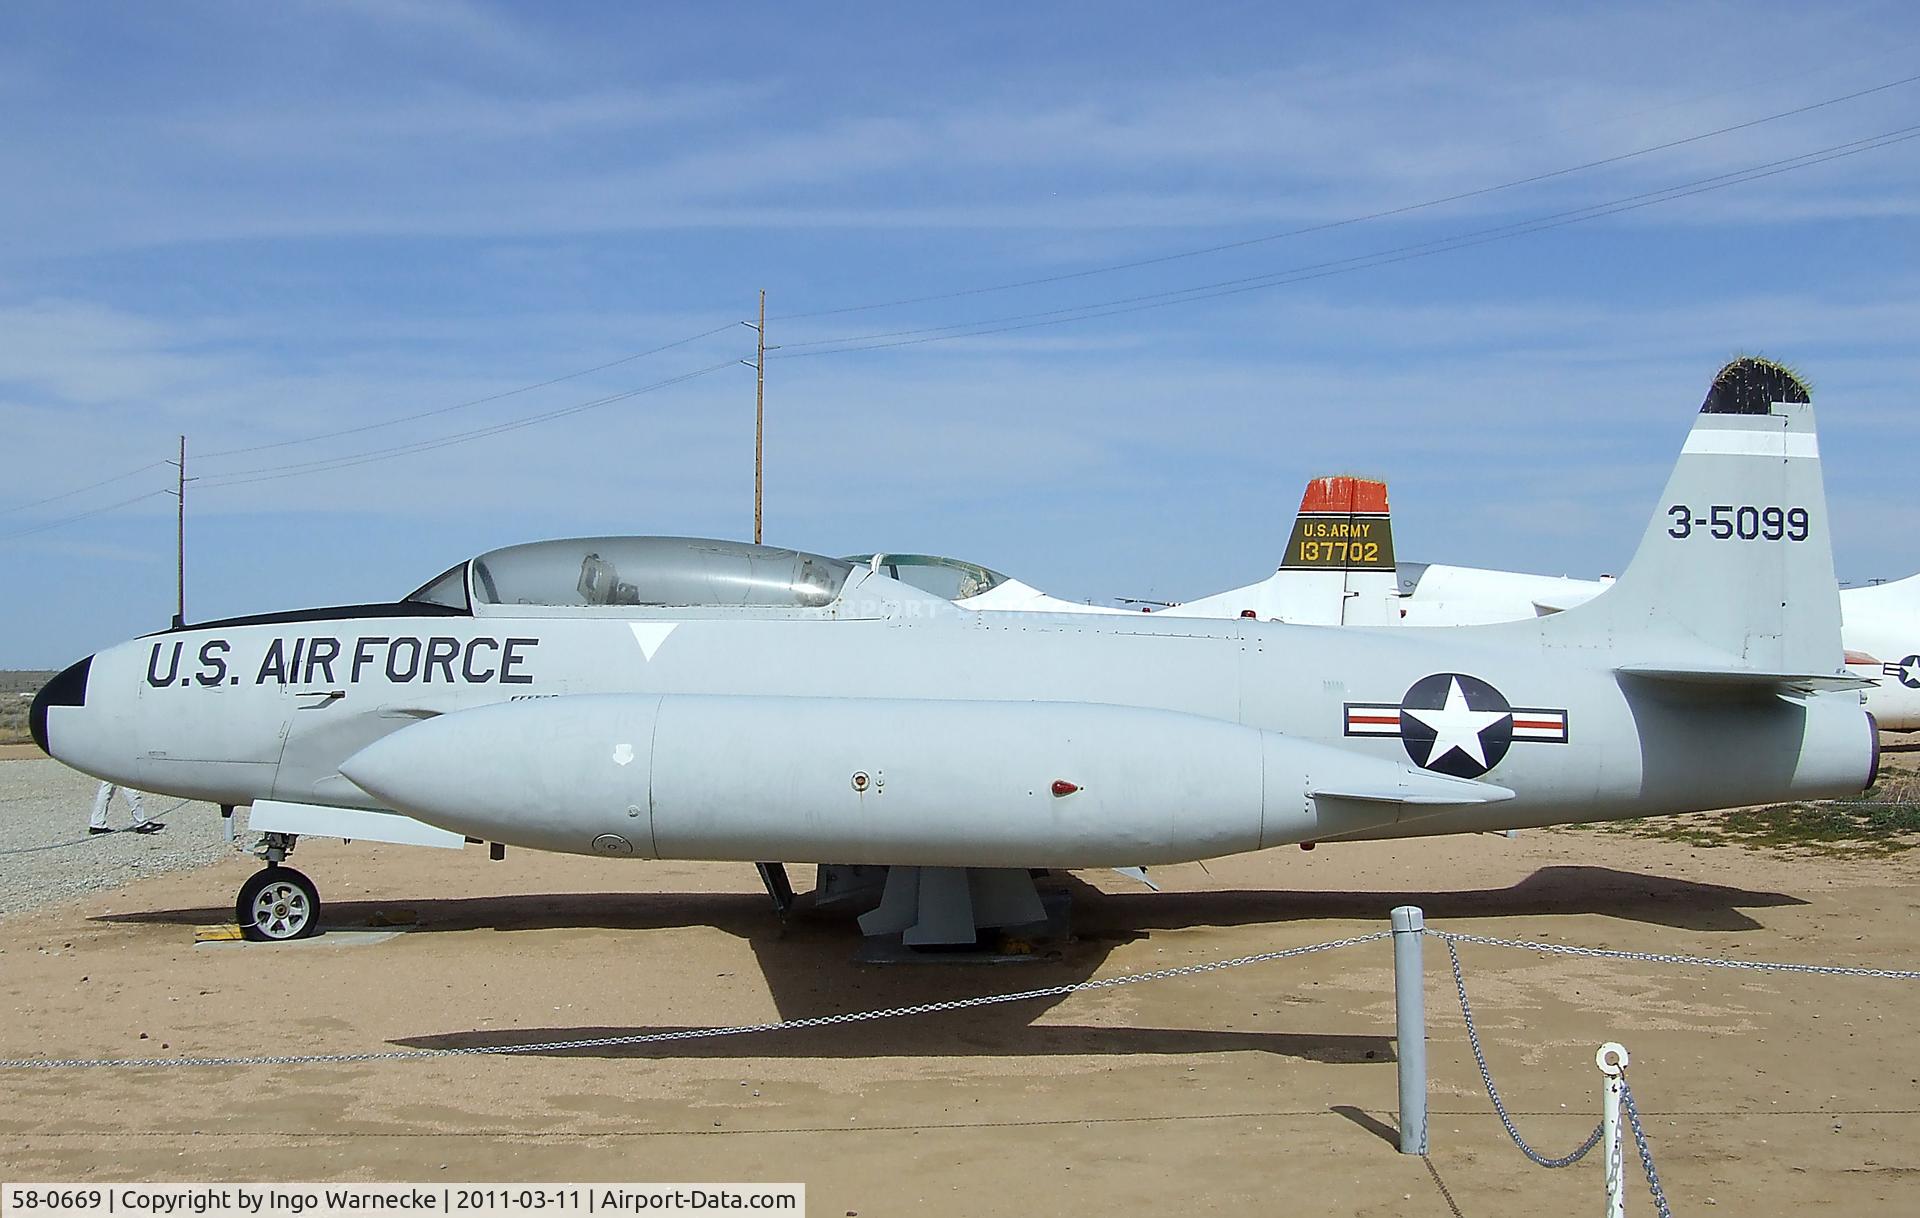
(947, 578)
(661, 571)
(448, 588)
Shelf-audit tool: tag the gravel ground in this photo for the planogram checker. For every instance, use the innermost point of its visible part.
(47, 856)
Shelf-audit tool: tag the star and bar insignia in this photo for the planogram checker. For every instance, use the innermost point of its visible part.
(1456, 724)
(1907, 672)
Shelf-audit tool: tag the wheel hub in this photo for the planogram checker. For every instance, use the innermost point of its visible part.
(281, 910)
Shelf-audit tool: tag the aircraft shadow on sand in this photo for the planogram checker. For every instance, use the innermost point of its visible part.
(810, 973)
(1633, 896)
(949, 1034)
(1564, 890)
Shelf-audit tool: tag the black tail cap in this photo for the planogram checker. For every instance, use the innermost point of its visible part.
(1751, 385)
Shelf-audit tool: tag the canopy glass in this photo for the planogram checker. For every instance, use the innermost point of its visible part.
(586, 572)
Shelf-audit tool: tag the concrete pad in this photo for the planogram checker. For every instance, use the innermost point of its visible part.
(349, 937)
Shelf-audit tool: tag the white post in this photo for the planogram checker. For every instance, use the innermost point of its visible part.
(1410, 1026)
(1612, 1060)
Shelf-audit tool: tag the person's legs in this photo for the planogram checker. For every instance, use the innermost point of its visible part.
(141, 824)
(101, 798)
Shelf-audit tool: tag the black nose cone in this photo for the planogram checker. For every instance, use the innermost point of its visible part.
(67, 689)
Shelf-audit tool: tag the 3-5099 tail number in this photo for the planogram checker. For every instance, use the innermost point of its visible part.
(1742, 522)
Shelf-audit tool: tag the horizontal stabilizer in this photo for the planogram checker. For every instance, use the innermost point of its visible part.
(1420, 790)
(1751, 679)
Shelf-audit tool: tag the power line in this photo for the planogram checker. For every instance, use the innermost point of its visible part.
(981, 327)
(1329, 225)
(21, 507)
(1902, 53)
(1321, 270)
(1399, 254)
(347, 431)
(1089, 311)
(329, 464)
(326, 465)
(54, 524)
(481, 401)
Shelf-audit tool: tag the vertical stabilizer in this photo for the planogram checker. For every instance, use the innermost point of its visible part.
(1337, 569)
(1735, 572)
(1342, 549)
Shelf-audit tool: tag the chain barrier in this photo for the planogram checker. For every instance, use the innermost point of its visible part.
(1646, 1153)
(644, 1038)
(67, 845)
(1602, 953)
(1452, 940)
(88, 840)
(1493, 1093)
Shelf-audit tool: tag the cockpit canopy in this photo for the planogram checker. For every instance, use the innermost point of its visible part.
(588, 572)
(947, 578)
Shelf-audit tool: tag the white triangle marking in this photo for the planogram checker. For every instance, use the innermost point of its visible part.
(650, 635)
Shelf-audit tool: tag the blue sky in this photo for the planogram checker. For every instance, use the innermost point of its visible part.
(260, 223)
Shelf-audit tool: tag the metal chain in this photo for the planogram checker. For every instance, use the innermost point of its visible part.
(1493, 1093)
(643, 1038)
(89, 840)
(1646, 1153)
(1762, 966)
(78, 841)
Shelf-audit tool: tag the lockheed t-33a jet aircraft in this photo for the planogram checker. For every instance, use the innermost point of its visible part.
(651, 697)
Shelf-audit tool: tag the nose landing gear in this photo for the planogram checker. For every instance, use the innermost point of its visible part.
(278, 903)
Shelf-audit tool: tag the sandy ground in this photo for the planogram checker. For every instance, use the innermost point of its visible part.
(1263, 1089)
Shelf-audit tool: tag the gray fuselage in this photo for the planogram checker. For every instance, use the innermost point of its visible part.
(240, 713)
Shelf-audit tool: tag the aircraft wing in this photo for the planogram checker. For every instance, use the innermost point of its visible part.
(1417, 790)
(1358, 807)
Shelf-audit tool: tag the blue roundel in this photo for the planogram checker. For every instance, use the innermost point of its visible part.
(1455, 724)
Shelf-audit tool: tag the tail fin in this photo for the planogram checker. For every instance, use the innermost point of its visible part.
(1338, 565)
(1342, 548)
(1733, 582)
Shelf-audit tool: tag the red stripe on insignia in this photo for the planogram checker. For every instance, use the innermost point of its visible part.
(1545, 725)
(1373, 718)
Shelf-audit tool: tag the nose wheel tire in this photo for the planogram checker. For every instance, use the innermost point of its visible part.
(277, 904)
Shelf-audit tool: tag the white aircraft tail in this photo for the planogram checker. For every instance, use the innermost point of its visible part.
(1338, 567)
(1341, 549)
(1733, 582)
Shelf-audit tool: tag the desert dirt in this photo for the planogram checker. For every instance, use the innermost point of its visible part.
(1268, 1088)
(17, 687)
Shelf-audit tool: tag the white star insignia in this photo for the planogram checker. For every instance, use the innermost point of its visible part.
(1456, 726)
(1910, 672)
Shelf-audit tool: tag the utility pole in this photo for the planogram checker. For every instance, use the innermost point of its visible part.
(759, 411)
(180, 537)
